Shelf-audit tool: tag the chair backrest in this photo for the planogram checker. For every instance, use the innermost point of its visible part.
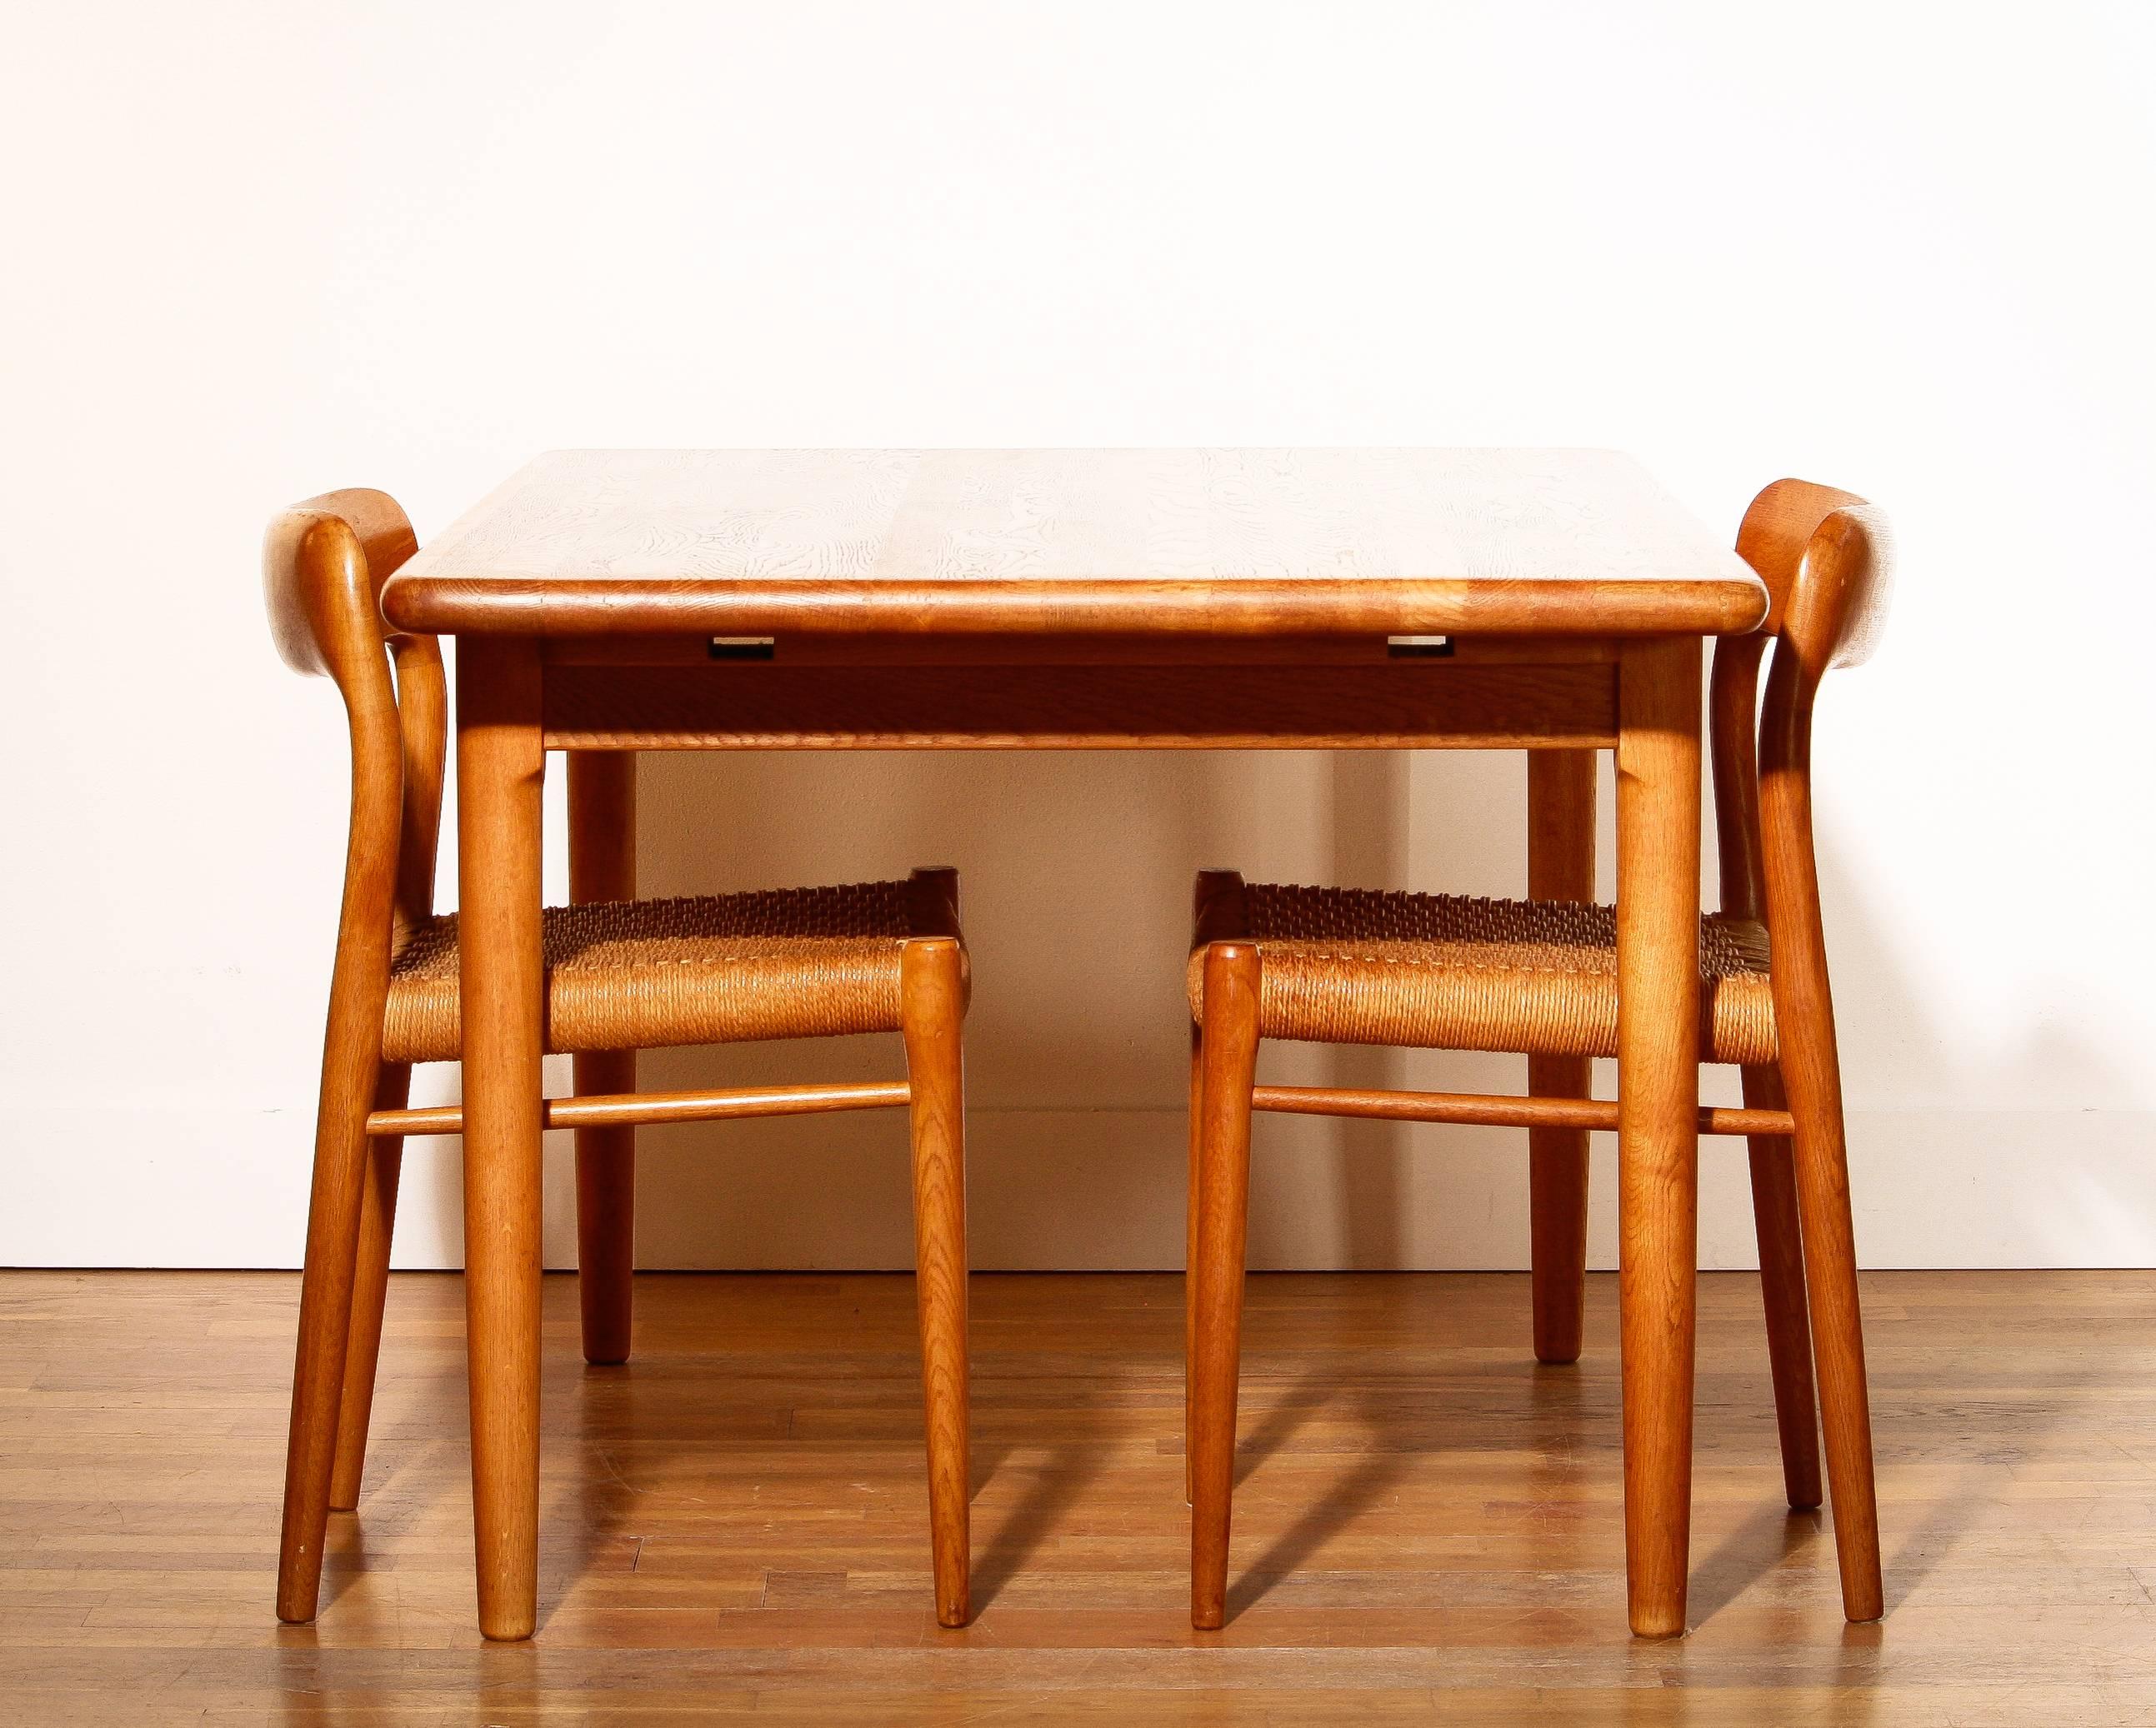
(1826, 557)
(323, 565)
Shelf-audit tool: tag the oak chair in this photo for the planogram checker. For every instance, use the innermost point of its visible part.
(619, 975)
(1538, 976)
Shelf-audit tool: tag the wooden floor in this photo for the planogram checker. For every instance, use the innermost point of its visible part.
(735, 1524)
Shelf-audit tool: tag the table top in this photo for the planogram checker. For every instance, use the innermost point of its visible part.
(1234, 541)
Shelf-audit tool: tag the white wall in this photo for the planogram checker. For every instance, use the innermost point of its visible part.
(254, 251)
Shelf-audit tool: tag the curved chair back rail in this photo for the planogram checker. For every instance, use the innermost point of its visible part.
(1825, 558)
(323, 565)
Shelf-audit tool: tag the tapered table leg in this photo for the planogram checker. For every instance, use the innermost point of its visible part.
(603, 867)
(1658, 845)
(501, 766)
(1560, 867)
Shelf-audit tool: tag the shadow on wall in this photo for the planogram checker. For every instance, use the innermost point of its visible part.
(1077, 870)
(2010, 1143)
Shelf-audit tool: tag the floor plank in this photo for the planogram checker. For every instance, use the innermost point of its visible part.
(735, 1524)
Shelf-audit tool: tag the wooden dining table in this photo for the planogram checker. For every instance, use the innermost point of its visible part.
(609, 601)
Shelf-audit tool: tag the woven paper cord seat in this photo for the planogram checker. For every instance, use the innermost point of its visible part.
(1360, 966)
(802, 962)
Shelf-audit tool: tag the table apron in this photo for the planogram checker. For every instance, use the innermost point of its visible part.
(1411, 704)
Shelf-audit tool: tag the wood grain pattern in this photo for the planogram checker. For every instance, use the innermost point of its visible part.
(1773, 537)
(370, 1285)
(1218, 914)
(1193, 1200)
(323, 562)
(501, 767)
(1822, 555)
(1042, 707)
(603, 867)
(1091, 544)
(1427, 1528)
(935, 987)
(1228, 1054)
(1732, 713)
(1658, 811)
(1075, 647)
(737, 542)
(1560, 867)
(629, 1110)
(1483, 1110)
(1776, 1227)
(1831, 615)
(422, 716)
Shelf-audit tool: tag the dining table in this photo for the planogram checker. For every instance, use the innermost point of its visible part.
(605, 602)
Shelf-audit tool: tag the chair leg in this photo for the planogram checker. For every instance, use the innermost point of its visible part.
(606, 1212)
(1811, 1079)
(1557, 1212)
(326, 1309)
(370, 1290)
(1782, 1289)
(934, 1006)
(1810, 1073)
(1227, 1059)
(1190, 1270)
